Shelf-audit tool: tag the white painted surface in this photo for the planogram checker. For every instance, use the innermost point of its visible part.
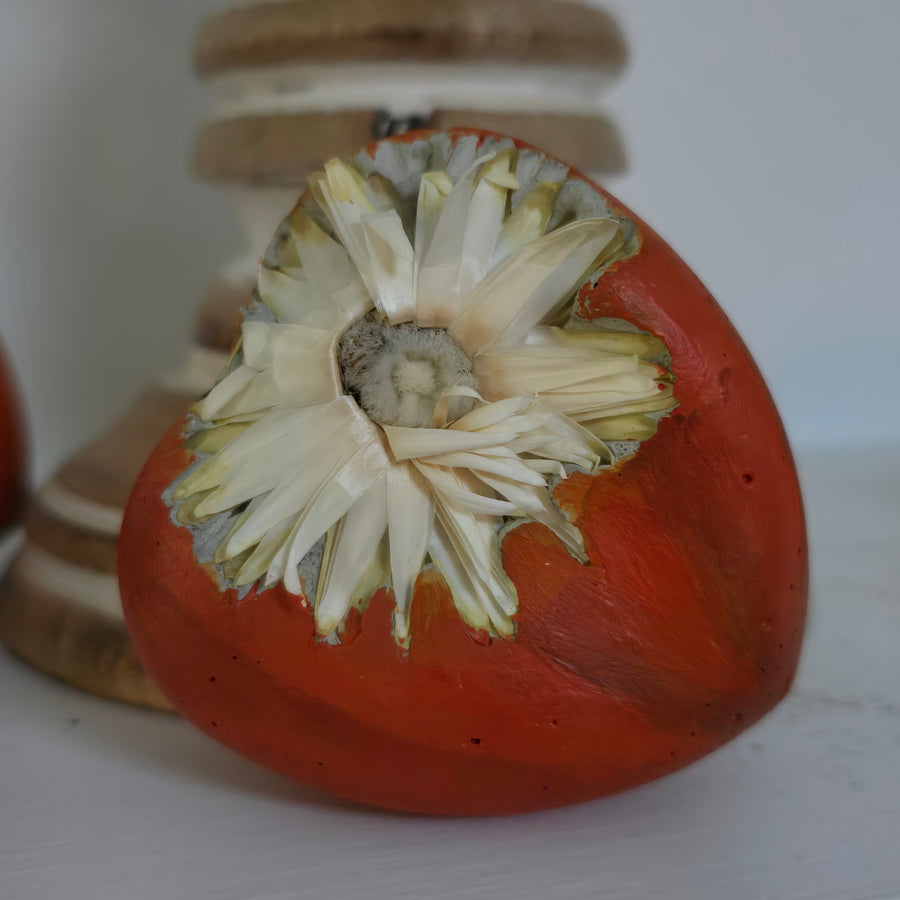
(93, 590)
(99, 801)
(409, 88)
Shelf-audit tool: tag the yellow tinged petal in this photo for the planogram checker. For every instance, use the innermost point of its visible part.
(354, 543)
(211, 440)
(628, 427)
(412, 443)
(410, 518)
(527, 222)
(531, 286)
(391, 266)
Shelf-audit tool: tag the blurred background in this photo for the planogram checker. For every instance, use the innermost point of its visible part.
(762, 141)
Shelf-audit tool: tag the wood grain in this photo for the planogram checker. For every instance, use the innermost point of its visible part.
(305, 31)
(105, 470)
(80, 646)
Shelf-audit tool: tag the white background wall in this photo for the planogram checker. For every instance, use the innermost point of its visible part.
(764, 142)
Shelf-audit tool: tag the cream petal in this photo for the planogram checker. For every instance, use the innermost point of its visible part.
(382, 194)
(491, 414)
(487, 210)
(410, 518)
(469, 545)
(434, 189)
(295, 382)
(471, 607)
(526, 375)
(661, 401)
(507, 465)
(215, 438)
(532, 285)
(353, 545)
(627, 427)
(256, 565)
(294, 301)
(224, 392)
(391, 266)
(341, 193)
(591, 339)
(456, 493)
(325, 263)
(412, 443)
(437, 284)
(255, 438)
(262, 473)
(341, 430)
(527, 222)
(265, 343)
(335, 497)
(537, 504)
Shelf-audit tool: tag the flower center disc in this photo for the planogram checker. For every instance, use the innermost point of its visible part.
(397, 373)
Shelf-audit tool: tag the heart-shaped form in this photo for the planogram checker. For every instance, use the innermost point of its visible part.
(442, 542)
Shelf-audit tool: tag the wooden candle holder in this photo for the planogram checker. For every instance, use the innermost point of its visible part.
(293, 84)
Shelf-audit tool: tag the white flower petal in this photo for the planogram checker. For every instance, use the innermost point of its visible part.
(353, 545)
(466, 550)
(487, 210)
(303, 465)
(294, 382)
(536, 503)
(256, 565)
(471, 606)
(254, 438)
(460, 495)
(491, 414)
(528, 221)
(627, 427)
(224, 392)
(341, 193)
(265, 343)
(661, 401)
(325, 263)
(561, 439)
(215, 438)
(437, 284)
(588, 339)
(335, 497)
(263, 472)
(391, 266)
(508, 465)
(532, 285)
(410, 518)
(413, 443)
(434, 189)
(294, 301)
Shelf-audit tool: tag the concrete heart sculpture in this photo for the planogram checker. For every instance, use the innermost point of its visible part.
(491, 510)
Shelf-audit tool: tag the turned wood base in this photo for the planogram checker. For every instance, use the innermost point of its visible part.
(84, 647)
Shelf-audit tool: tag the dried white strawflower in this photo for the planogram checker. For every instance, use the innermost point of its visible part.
(403, 385)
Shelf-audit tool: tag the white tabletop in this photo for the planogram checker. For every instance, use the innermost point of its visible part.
(99, 801)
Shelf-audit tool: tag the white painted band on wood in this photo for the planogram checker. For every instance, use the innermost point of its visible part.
(408, 88)
(198, 372)
(63, 503)
(97, 591)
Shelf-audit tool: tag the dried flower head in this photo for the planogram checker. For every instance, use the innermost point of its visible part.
(409, 379)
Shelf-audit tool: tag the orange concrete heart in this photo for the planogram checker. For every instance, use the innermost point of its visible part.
(678, 627)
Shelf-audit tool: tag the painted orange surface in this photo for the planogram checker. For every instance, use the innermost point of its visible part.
(12, 462)
(684, 629)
